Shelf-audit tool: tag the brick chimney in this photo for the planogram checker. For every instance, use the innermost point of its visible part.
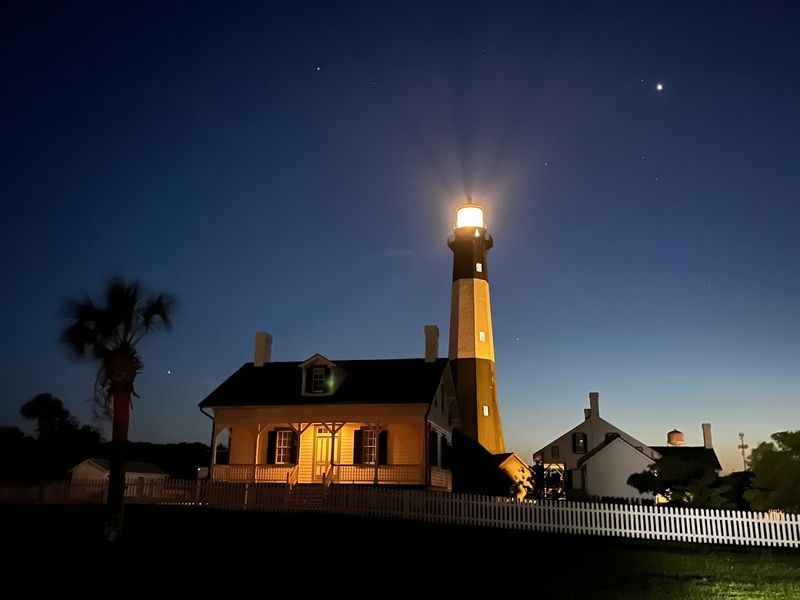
(594, 404)
(431, 343)
(707, 436)
(263, 349)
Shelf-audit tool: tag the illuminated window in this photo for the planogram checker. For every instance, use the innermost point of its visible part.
(284, 444)
(369, 446)
(579, 443)
(554, 451)
(485, 410)
(317, 380)
(479, 267)
(482, 336)
(477, 233)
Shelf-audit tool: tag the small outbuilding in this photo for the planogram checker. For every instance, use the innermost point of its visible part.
(93, 469)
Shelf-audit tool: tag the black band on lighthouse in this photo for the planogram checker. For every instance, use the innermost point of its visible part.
(469, 253)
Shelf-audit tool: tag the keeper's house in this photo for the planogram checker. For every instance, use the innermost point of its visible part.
(330, 421)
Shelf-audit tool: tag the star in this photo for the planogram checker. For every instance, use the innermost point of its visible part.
(317, 68)
(659, 87)
(169, 371)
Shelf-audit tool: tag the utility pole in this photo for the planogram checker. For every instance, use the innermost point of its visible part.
(743, 447)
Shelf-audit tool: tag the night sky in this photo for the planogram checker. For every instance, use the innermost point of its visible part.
(298, 173)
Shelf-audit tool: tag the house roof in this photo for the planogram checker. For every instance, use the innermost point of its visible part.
(501, 457)
(596, 423)
(379, 381)
(699, 455)
(131, 466)
(600, 447)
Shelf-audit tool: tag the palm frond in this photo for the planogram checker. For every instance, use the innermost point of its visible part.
(109, 334)
(122, 299)
(157, 312)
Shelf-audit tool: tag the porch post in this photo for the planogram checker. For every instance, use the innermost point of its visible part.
(334, 428)
(255, 451)
(299, 428)
(377, 427)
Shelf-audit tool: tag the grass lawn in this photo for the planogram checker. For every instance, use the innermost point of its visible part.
(399, 554)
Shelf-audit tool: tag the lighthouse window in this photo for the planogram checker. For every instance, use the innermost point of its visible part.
(479, 267)
(482, 336)
(485, 410)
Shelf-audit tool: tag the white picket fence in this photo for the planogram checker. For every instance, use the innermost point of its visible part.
(741, 528)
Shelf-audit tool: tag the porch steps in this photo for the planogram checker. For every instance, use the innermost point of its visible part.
(308, 497)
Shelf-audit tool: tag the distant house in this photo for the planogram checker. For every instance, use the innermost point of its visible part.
(595, 458)
(93, 469)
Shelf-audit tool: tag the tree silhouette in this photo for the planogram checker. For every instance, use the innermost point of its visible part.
(50, 415)
(776, 466)
(109, 335)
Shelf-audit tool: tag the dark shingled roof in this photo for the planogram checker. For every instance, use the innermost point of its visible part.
(387, 381)
(698, 455)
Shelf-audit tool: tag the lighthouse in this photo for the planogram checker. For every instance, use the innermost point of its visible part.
(471, 351)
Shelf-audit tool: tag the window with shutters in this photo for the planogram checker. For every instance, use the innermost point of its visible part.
(479, 267)
(317, 380)
(369, 446)
(283, 447)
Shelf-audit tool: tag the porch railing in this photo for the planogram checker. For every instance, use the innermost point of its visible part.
(337, 473)
(253, 473)
(393, 474)
(441, 478)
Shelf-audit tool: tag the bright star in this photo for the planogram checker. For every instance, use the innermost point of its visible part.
(659, 87)
(169, 371)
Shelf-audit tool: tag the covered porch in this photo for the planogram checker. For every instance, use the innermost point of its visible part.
(399, 451)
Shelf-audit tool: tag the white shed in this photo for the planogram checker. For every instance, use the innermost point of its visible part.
(93, 469)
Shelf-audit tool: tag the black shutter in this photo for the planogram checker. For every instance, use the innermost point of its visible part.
(383, 447)
(358, 444)
(272, 437)
(445, 454)
(293, 451)
(308, 374)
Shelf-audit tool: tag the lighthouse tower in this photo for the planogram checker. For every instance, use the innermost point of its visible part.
(471, 338)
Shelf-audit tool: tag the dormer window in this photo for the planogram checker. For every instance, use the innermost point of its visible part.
(318, 380)
(318, 376)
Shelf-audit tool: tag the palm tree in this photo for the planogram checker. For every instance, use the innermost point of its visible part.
(109, 335)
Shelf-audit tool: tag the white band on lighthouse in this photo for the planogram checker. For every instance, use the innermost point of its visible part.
(471, 320)
(469, 216)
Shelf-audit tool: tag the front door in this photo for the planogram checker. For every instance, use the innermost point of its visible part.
(322, 451)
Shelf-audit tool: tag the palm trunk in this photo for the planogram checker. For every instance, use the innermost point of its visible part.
(116, 485)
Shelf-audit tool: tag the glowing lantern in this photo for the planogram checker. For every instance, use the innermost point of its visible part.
(469, 216)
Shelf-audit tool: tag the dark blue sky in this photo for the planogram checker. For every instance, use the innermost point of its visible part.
(297, 172)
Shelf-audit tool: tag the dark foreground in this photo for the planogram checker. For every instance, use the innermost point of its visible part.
(312, 549)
